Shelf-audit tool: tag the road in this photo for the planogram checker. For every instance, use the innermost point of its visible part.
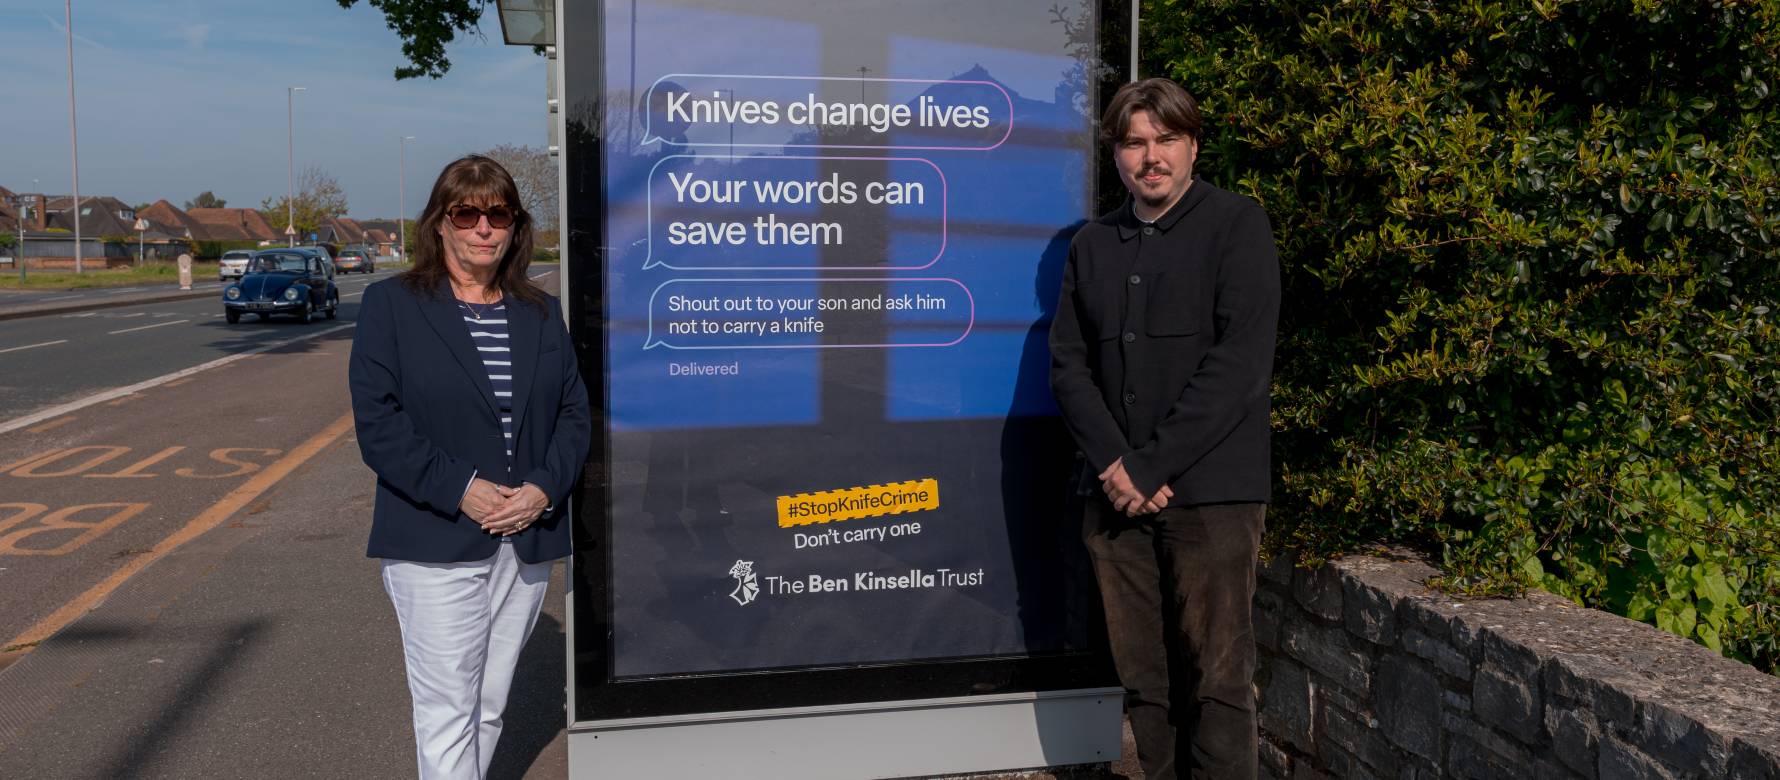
(98, 294)
(183, 587)
(53, 359)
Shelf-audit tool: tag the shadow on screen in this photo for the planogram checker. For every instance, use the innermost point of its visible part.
(1038, 479)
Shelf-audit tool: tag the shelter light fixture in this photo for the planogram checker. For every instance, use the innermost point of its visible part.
(528, 22)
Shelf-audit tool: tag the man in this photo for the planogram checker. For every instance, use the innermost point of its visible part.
(1161, 356)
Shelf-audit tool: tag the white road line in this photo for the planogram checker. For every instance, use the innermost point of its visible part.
(32, 419)
(34, 346)
(349, 295)
(65, 297)
(145, 327)
(124, 290)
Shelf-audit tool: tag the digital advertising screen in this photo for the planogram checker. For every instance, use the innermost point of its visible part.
(815, 252)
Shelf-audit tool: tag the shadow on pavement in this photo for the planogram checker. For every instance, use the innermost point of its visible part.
(136, 755)
(537, 707)
(249, 334)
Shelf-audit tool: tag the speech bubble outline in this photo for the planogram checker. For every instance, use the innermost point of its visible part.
(649, 135)
(945, 217)
(650, 341)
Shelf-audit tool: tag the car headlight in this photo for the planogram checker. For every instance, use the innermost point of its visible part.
(290, 293)
(233, 293)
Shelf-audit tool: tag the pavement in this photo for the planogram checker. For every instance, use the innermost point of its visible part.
(248, 635)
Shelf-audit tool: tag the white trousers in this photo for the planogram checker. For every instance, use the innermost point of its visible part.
(463, 625)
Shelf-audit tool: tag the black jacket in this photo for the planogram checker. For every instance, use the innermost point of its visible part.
(1162, 349)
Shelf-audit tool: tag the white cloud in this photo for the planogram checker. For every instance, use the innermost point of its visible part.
(195, 34)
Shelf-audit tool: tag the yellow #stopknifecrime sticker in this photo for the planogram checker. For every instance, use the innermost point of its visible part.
(831, 506)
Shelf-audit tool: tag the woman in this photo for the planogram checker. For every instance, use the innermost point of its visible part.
(471, 411)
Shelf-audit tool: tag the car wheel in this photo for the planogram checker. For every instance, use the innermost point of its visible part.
(333, 307)
(308, 314)
(232, 316)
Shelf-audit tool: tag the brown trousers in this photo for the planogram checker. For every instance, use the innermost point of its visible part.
(1179, 588)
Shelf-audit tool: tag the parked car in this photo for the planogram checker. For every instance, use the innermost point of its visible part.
(360, 260)
(297, 280)
(233, 265)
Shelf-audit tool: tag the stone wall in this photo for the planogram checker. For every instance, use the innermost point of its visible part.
(1366, 673)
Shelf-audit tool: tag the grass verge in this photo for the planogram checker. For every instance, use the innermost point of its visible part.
(149, 273)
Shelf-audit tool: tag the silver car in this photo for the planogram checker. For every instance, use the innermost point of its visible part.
(233, 265)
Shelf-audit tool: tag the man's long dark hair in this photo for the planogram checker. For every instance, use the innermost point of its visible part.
(478, 181)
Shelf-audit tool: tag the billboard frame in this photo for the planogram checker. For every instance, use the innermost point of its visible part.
(878, 720)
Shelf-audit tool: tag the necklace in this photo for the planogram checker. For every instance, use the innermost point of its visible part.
(479, 314)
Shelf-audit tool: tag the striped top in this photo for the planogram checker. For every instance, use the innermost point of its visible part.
(489, 332)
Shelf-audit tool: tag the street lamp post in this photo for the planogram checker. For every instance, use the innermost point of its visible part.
(402, 207)
(73, 133)
(290, 157)
(18, 256)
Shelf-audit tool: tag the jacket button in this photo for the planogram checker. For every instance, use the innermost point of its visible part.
(1135, 279)
(1149, 231)
(1130, 337)
(1130, 398)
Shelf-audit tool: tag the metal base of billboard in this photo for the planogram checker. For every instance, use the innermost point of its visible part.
(893, 739)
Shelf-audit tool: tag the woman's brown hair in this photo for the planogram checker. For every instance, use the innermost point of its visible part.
(480, 181)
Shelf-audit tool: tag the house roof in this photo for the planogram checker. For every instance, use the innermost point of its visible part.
(388, 226)
(375, 236)
(340, 230)
(167, 219)
(100, 215)
(234, 224)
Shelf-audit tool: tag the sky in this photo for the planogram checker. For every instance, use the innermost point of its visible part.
(175, 97)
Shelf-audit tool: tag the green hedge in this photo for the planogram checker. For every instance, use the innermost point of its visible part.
(213, 250)
(1530, 258)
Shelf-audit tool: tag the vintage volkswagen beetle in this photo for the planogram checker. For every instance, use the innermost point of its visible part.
(297, 280)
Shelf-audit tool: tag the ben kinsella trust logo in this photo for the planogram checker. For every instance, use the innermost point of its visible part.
(747, 588)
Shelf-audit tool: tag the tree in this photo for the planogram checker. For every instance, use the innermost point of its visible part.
(319, 197)
(1528, 254)
(206, 200)
(425, 26)
(535, 174)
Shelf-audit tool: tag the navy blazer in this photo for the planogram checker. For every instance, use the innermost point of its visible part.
(427, 421)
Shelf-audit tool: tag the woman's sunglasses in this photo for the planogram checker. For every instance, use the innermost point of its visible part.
(465, 217)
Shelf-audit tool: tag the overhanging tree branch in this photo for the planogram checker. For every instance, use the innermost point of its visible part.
(425, 27)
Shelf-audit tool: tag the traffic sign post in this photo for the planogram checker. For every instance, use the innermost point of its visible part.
(141, 243)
